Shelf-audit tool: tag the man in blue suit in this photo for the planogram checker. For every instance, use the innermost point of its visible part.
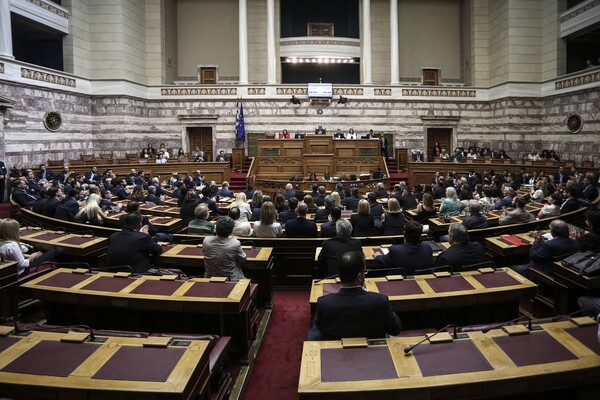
(21, 194)
(300, 227)
(410, 255)
(543, 253)
(353, 312)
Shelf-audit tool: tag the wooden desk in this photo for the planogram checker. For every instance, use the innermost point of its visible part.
(464, 298)
(8, 289)
(41, 366)
(258, 266)
(149, 304)
(493, 364)
(500, 246)
(163, 223)
(67, 243)
(166, 210)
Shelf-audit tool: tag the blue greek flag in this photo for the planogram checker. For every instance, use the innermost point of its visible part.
(240, 129)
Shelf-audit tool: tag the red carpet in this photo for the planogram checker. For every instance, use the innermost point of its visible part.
(277, 367)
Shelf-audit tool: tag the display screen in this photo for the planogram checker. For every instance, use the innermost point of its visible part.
(320, 90)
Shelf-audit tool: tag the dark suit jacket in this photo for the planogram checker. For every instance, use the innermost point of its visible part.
(543, 254)
(332, 250)
(23, 198)
(322, 215)
(352, 202)
(362, 225)
(301, 227)
(287, 215)
(408, 256)
(154, 199)
(132, 248)
(462, 254)
(50, 207)
(328, 229)
(67, 210)
(570, 205)
(354, 312)
(225, 193)
(186, 213)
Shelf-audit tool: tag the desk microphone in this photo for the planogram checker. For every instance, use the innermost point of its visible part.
(18, 331)
(88, 232)
(387, 270)
(412, 346)
(503, 324)
(327, 277)
(92, 339)
(114, 267)
(84, 264)
(574, 313)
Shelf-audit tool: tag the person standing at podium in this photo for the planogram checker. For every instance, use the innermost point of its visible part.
(353, 312)
(320, 130)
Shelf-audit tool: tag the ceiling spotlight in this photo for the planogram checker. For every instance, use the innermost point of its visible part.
(342, 100)
(295, 100)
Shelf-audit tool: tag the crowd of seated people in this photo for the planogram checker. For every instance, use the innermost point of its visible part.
(461, 154)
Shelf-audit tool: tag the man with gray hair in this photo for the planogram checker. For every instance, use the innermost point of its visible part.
(289, 192)
(223, 254)
(461, 252)
(475, 220)
(333, 249)
(322, 214)
(300, 227)
(544, 252)
(507, 200)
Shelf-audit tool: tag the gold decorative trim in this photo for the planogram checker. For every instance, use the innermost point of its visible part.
(198, 91)
(50, 8)
(47, 77)
(290, 91)
(383, 92)
(578, 80)
(348, 91)
(439, 92)
(579, 10)
(320, 42)
(255, 91)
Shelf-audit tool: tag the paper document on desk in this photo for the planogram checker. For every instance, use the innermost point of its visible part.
(384, 250)
(547, 236)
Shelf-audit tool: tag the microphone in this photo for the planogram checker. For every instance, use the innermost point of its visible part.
(327, 277)
(412, 346)
(387, 270)
(76, 263)
(88, 232)
(574, 313)
(18, 331)
(512, 321)
(113, 268)
(92, 338)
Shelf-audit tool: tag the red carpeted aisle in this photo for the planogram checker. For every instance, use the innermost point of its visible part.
(277, 367)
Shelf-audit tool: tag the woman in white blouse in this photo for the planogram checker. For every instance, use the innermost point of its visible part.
(10, 248)
(268, 226)
(241, 203)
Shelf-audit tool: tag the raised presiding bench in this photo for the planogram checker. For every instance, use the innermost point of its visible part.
(475, 365)
(463, 298)
(149, 303)
(258, 266)
(54, 365)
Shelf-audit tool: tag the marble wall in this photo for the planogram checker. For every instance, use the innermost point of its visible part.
(123, 124)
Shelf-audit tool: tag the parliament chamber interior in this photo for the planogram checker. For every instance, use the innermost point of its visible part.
(299, 199)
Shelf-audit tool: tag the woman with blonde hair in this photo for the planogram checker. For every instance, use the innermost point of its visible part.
(90, 212)
(337, 200)
(10, 248)
(241, 203)
(451, 206)
(362, 222)
(268, 225)
(392, 221)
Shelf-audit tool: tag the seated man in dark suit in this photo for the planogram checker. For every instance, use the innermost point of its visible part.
(287, 215)
(543, 252)
(69, 207)
(476, 220)
(300, 227)
(380, 191)
(152, 197)
(353, 199)
(21, 194)
(353, 312)
(328, 228)
(461, 252)
(322, 214)
(571, 203)
(410, 255)
(334, 248)
(49, 208)
(132, 246)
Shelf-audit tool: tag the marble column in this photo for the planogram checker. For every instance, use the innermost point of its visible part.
(394, 47)
(366, 42)
(6, 49)
(271, 59)
(243, 39)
